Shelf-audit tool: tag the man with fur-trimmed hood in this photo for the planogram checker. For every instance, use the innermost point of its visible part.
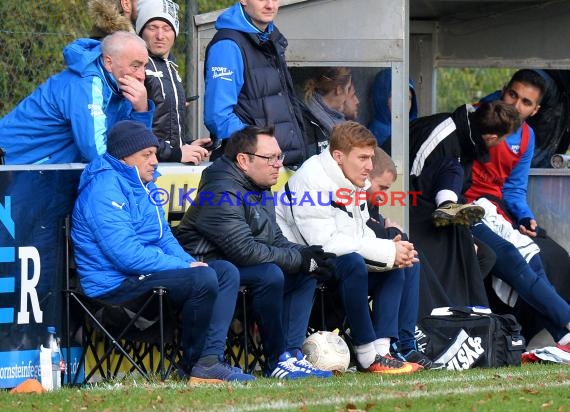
(110, 16)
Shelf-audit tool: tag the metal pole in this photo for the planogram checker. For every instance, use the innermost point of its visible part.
(191, 11)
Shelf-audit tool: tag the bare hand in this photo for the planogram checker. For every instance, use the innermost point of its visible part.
(532, 232)
(192, 153)
(406, 255)
(198, 264)
(202, 141)
(134, 91)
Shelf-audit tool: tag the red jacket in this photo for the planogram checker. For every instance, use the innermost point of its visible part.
(488, 178)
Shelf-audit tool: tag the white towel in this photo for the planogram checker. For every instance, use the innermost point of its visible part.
(552, 354)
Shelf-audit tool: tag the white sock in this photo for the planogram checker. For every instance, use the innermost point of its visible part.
(382, 346)
(565, 340)
(365, 354)
(445, 195)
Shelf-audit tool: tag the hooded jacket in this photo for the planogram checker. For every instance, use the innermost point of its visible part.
(66, 118)
(324, 220)
(247, 82)
(116, 231)
(232, 218)
(107, 18)
(381, 124)
(165, 88)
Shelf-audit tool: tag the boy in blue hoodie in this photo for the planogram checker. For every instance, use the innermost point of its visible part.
(247, 79)
(66, 119)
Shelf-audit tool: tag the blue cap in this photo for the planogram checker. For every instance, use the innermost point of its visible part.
(127, 137)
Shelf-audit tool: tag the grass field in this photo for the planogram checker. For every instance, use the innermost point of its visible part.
(528, 388)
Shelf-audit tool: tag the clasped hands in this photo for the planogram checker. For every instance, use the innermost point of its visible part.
(406, 255)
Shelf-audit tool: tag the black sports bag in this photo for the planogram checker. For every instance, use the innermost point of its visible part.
(466, 338)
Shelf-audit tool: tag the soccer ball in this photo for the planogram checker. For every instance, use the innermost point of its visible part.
(327, 351)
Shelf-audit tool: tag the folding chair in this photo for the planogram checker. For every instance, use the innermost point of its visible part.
(327, 312)
(130, 333)
(318, 319)
(243, 348)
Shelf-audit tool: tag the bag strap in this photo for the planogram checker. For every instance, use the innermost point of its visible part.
(510, 320)
(470, 310)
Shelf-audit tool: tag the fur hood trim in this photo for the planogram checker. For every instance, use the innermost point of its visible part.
(107, 18)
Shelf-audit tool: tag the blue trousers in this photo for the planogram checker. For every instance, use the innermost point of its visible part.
(205, 296)
(409, 308)
(281, 304)
(529, 280)
(385, 289)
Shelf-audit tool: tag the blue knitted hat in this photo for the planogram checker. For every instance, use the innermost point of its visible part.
(127, 137)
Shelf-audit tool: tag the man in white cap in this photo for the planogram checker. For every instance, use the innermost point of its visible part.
(157, 24)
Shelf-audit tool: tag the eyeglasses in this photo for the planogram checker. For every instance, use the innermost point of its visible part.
(271, 160)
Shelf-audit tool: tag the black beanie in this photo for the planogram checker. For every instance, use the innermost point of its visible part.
(127, 137)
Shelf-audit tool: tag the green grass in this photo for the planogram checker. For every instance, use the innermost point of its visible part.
(528, 388)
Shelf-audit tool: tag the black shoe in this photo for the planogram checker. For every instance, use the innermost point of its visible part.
(421, 359)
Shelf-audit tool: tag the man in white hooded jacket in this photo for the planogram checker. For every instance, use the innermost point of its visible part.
(325, 204)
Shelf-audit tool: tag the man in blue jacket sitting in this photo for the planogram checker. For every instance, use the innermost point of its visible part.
(124, 248)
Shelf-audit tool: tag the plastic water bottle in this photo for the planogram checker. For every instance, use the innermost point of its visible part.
(56, 359)
(62, 365)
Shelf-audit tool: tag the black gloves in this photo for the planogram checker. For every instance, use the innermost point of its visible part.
(317, 263)
(525, 221)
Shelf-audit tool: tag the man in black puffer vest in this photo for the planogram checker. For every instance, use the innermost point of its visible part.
(247, 79)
